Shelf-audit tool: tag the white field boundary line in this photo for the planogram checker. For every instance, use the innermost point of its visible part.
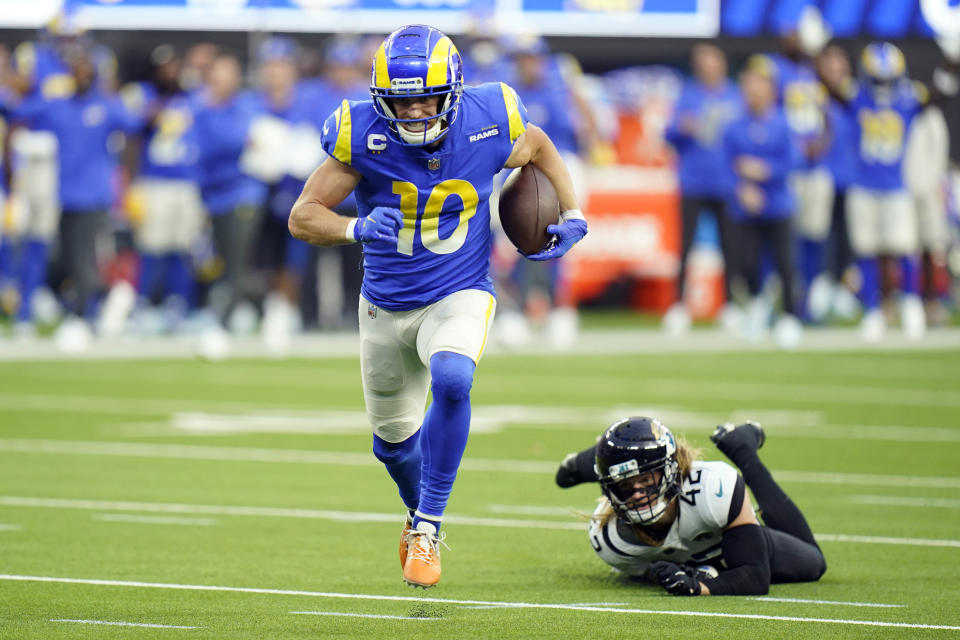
(838, 603)
(369, 517)
(358, 615)
(342, 458)
(10, 527)
(125, 517)
(451, 601)
(902, 501)
(125, 624)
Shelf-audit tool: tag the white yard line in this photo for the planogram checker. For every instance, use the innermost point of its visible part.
(903, 501)
(913, 542)
(368, 517)
(125, 624)
(358, 615)
(10, 527)
(251, 454)
(423, 600)
(830, 602)
(124, 517)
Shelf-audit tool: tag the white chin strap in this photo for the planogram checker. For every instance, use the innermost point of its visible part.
(420, 137)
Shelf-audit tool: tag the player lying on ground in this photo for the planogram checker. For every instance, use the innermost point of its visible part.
(689, 524)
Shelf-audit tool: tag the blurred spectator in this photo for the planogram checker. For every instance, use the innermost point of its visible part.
(880, 210)
(333, 286)
(831, 294)
(196, 62)
(804, 102)
(163, 201)
(83, 123)
(232, 199)
(41, 73)
(537, 289)
(709, 101)
(758, 148)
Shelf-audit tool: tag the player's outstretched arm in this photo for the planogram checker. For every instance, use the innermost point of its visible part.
(534, 146)
(312, 218)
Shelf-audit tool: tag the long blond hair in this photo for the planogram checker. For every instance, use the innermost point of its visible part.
(686, 456)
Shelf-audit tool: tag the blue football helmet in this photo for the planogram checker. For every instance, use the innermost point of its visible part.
(414, 62)
(882, 64)
(635, 447)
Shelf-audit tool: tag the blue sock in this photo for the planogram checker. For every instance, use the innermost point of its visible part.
(179, 281)
(870, 293)
(151, 270)
(811, 260)
(33, 273)
(403, 461)
(7, 259)
(444, 432)
(910, 273)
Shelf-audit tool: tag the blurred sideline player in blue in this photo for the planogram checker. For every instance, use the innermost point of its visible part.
(334, 284)
(804, 101)
(708, 102)
(281, 134)
(759, 152)
(422, 156)
(833, 294)
(233, 199)
(83, 121)
(537, 291)
(880, 211)
(41, 73)
(163, 200)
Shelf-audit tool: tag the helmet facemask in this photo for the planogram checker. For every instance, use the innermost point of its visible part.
(642, 495)
(417, 62)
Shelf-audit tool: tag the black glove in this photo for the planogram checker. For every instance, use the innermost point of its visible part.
(678, 580)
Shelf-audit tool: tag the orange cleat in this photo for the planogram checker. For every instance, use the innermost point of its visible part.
(422, 568)
(407, 528)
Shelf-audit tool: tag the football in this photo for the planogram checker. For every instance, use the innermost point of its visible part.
(528, 203)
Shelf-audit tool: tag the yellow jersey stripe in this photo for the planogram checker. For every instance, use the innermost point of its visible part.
(341, 150)
(513, 112)
(486, 328)
(439, 62)
(381, 74)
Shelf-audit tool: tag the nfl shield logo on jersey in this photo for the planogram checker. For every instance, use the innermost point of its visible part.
(372, 312)
(433, 163)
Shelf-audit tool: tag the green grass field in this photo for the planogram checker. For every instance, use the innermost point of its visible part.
(240, 499)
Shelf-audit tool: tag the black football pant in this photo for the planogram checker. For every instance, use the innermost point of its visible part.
(794, 554)
(690, 209)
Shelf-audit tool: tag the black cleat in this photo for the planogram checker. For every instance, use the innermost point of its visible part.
(567, 474)
(734, 440)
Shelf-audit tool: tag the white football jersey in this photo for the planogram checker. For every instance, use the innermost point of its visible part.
(705, 499)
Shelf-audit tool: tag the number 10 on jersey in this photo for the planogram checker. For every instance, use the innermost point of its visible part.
(430, 215)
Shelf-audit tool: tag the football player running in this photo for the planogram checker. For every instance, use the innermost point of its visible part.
(689, 524)
(421, 157)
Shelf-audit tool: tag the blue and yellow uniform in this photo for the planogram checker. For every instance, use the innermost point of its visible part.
(443, 192)
(881, 132)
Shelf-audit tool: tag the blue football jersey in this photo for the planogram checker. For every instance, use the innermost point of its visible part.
(804, 100)
(881, 129)
(443, 192)
(169, 147)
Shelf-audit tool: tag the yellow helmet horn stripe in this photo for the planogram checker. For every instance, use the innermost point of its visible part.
(440, 62)
(381, 75)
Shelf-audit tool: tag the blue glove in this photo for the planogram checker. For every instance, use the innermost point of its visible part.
(380, 225)
(572, 227)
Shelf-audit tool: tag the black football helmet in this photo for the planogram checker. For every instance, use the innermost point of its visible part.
(632, 447)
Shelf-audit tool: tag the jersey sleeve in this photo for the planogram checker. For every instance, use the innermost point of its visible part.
(720, 484)
(337, 134)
